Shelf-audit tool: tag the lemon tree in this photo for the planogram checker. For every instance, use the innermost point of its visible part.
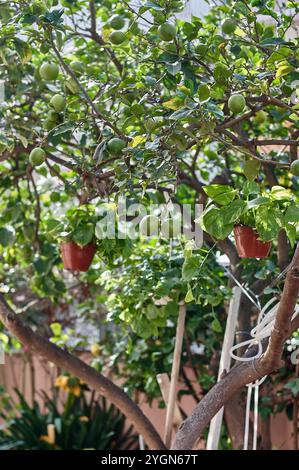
(104, 100)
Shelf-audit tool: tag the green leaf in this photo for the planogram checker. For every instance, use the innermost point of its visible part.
(233, 211)
(279, 193)
(53, 17)
(268, 222)
(220, 193)
(83, 234)
(190, 268)
(189, 296)
(279, 55)
(258, 201)
(56, 328)
(212, 221)
(284, 70)
(216, 326)
(42, 265)
(181, 113)
(251, 169)
(292, 214)
(62, 128)
(7, 236)
(293, 386)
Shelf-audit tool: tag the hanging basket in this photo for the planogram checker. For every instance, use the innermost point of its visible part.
(248, 243)
(75, 257)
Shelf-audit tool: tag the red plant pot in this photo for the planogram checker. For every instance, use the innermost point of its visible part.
(248, 245)
(75, 257)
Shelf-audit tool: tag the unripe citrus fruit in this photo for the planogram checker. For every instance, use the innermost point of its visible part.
(37, 156)
(203, 92)
(117, 22)
(260, 117)
(117, 37)
(167, 32)
(58, 103)
(228, 26)
(221, 73)
(149, 226)
(236, 103)
(116, 145)
(295, 168)
(48, 71)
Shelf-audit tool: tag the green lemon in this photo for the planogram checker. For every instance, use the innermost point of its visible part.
(117, 22)
(149, 226)
(167, 32)
(49, 71)
(251, 169)
(260, 117)
(228, 26)
(236, 103)
(117, 37)
(203, 92)
(221, 73)
(116, 145)
(295, 168)
(37, 156)
(58, 103)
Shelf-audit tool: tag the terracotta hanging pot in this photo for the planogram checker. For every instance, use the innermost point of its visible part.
(248, 243)
(75, 257)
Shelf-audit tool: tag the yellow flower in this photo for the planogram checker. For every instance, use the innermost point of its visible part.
(61, 382)
(50, 437)
(83, 419)
(76, 390)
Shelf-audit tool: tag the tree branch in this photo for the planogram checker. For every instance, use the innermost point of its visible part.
(99, 40)
(246, 372)
(78, 368)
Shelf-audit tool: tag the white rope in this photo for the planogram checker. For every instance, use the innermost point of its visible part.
(246, 430)
(255, 415)
(262, 330)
